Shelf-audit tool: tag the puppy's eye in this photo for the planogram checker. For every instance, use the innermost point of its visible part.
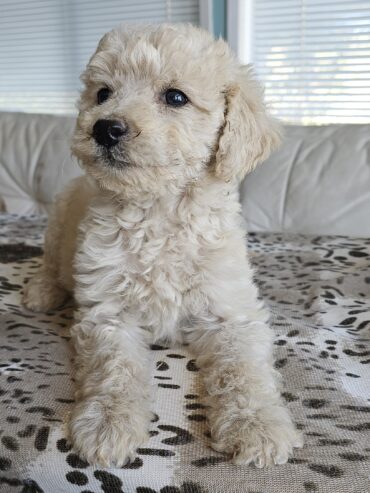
(174, 97)
(103, 95)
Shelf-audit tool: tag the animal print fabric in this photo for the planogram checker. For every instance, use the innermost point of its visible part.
(318, 292)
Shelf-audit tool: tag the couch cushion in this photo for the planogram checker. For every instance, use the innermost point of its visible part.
(318, 182)
(35, 160)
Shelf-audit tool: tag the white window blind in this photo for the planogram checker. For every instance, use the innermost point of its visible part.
(45, 45)
(313, 57)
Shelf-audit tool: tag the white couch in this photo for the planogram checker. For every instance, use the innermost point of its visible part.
(318, 182)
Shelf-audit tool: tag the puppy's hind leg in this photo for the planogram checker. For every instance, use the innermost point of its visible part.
(44, 291)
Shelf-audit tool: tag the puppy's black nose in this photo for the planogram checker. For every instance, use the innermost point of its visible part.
(108, 132)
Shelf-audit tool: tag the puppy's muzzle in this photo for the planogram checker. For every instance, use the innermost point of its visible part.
(108, 133)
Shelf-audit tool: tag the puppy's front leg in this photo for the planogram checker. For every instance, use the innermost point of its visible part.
(111, 416)
(247, 417)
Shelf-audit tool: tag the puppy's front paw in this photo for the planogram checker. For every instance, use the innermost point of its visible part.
(107, 433)
(264, 438)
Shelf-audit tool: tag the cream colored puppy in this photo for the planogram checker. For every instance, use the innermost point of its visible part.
(151, 243)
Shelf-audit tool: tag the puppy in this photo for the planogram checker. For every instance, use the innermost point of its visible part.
(151, 243)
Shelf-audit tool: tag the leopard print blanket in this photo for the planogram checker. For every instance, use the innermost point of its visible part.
(318, 292)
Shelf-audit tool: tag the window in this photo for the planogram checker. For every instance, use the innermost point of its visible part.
(313, 57)
(45, 45)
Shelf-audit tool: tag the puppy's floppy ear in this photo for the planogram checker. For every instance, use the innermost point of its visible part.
(249, 134)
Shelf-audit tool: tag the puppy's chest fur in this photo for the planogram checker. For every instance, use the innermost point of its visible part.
(147, 263)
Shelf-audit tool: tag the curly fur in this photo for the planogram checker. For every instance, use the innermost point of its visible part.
(152, 245)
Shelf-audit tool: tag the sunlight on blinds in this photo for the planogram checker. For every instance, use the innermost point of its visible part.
(313, 57)
(45, 45)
